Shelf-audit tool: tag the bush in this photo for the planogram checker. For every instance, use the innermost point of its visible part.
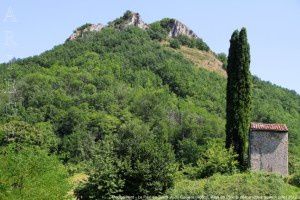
(23, 134)
(167, 23)
(119, 23)
(81, 28)
(127, 14)
(201, 45)
(216, 159)
(189, 151)
(184, 40)
(295, 179)
(248, 184)
(78, 147)
(223, 58)
(157, 32)
(174, 43)
(192, 42)
(236, 185)
(31, 174)
(187, 188)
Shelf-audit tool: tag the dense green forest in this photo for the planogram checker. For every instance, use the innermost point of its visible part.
(135, 117)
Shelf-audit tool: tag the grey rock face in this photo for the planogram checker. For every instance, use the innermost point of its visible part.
(96, 27)
(137, 21)
(179, 28)
(90, 28)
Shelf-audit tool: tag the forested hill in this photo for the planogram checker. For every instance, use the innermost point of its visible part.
(120, 102)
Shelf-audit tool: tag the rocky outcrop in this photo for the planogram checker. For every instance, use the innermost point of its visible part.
(96, 27)
(128, 19)
(178, 28)
(87, 28)
(134, 19)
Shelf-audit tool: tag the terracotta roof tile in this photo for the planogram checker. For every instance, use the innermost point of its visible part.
(268, 127)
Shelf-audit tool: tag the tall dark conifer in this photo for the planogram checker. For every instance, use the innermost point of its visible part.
(231, 89)
(238, 97)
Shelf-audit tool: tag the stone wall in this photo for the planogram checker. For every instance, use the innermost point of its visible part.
(269, 151)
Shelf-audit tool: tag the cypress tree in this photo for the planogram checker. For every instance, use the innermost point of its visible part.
(238, 105)
(231, 90)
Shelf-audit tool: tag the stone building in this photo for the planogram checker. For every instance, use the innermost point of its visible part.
(268, 148)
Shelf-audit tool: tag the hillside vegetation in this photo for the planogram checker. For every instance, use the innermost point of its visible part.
(203, 59)
(133, 115)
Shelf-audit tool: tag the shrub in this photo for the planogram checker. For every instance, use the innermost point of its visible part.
(23, 134)
(174, 43)
(81, 28)
(248, 184)
(192, 42)
(127, 14)
(189, 151)
(31, 174)
(295, 179)
(120, 22)
(187, 188)
(167, 23)
(78, 147)
(216, 159)
(223, 58)
(201, 45)
(157, 32)
(184, 40)
(236, 185)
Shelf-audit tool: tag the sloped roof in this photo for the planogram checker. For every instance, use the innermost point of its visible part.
(268, 127)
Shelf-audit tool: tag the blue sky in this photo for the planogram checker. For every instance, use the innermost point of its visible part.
(30, 27)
